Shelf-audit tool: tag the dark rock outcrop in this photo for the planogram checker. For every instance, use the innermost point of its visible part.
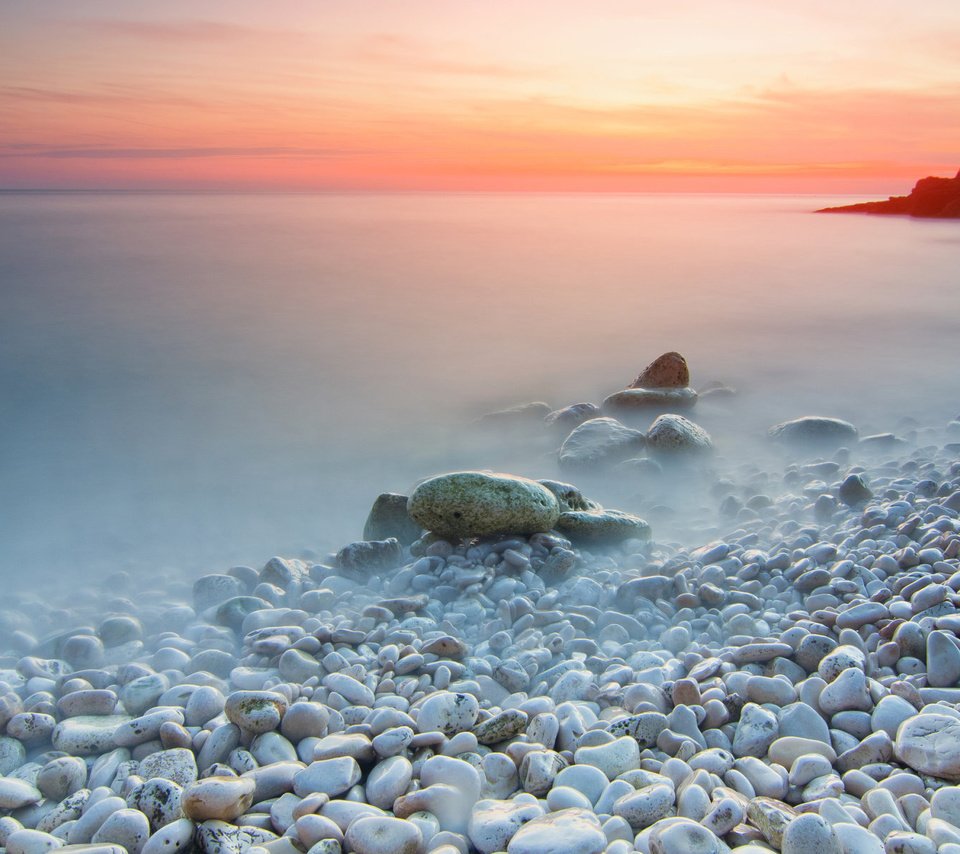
(931, 198)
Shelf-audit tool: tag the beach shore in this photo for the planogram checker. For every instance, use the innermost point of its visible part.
(578, 684)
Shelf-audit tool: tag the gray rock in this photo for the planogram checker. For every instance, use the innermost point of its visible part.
(493, 823)
(854, 490)
(363, 558)
(683, 836)
(569, 831)
(602, 527)
(641, 400)
(671, 434)
(377, 834)
(572, 416)
(388, 518)
(814, 430)
(943, 660)
(810, 834)
(568, 496)
(600, 442)
(930, 744)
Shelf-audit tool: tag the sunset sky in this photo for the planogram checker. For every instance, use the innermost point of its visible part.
(687, 95)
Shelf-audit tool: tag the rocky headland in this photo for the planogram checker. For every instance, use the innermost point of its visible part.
(501, 664)
(931, 198)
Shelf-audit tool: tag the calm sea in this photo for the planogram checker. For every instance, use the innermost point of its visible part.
(193, 381)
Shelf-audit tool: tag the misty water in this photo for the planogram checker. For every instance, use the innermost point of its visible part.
(194, 381)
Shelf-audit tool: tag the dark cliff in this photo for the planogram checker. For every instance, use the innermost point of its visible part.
(933, 198)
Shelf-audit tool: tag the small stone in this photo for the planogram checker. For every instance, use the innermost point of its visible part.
(569, 831)
(930, 744)
(501, 727)
(943, 660)
(771, 817)
(177, 764)
(810, 834)
(683, 836)
(328, 776)
(87, 735)
(388, 780)
(15, 794)
(493, 823)
(218, 798)
(614, 758)
(448, 712)
(128, 828)
(363, 558)
(646, 805)
(255, 711)
(854, 490)
(757, 729)
(375, 835)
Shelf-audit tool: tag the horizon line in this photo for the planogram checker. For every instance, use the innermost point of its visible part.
(412, 192)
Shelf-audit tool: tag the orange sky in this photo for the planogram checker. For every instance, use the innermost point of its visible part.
(739, 95)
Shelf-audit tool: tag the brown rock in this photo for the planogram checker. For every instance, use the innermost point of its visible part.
(667, 371)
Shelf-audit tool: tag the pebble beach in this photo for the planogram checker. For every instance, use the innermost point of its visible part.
(503, 665)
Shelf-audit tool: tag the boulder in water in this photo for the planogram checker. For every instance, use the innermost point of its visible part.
(598, 442)
(814, 430)
(472, 503)
(671, 434)
(647, 399)
(572, 416)
(667, 371)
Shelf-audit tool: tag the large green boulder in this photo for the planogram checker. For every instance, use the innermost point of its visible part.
(472, 503)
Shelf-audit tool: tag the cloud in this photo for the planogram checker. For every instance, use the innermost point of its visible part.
(184, 30)
(407, 54)
(124, 96)
(111, 153)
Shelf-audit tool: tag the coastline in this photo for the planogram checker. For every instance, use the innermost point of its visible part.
(621, 691)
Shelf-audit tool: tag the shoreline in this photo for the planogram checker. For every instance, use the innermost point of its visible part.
(780, 680)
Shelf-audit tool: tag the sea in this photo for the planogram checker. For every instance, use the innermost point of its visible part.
(192, 381)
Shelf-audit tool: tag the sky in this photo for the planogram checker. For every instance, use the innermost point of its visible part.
(544, 95)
